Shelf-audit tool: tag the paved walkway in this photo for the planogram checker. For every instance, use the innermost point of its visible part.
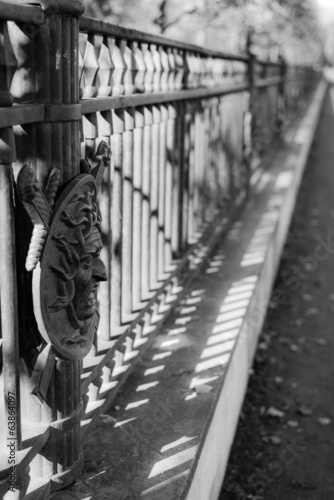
(284, 447)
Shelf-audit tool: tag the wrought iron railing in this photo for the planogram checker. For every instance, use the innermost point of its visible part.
(185, 127)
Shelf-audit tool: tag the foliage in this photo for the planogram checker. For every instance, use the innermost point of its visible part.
(289, 27)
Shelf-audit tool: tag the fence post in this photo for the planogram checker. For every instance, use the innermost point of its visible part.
(9, 317)
(250, 118)
(10, 418)
(47, 72)
(282, 90)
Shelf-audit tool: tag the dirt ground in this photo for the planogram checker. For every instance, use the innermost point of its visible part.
(284, 446)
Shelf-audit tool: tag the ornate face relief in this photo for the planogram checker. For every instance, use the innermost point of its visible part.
(66, 278)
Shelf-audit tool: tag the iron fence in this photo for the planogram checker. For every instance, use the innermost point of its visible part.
(185, 127)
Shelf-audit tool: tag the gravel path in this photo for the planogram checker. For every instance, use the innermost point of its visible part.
(284, 446)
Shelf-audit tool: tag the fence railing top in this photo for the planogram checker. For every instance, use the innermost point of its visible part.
(269, 63)
(98, 27)
(70, 7)
(14, 11)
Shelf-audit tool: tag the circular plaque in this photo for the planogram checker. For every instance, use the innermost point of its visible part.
(66, 279)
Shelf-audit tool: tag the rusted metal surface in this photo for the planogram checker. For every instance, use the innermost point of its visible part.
(62, 7)
(47, 139)
(185, 127)
(9, 307)
(21, 114)
(14, 11)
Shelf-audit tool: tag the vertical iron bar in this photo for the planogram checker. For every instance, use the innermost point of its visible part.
(177, 168)
(127, 181)
(206, 158)
(215, 173)
(146, 190)
(117, 205)
(56, 91)
(191, 183)
(154, 198)
(137, 206)
(8, 286)
(170, 161)
(197, 169)
(185, 174)
(201, 166)
(104, 121)
(162, 191)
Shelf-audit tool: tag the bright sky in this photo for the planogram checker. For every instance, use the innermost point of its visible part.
(326, 3)
(326, 8)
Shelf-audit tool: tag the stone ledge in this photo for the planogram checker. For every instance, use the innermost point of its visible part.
(170, 431)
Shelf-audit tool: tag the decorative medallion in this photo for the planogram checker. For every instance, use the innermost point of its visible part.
(64, 255)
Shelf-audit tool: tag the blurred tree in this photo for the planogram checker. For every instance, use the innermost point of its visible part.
(287, 26)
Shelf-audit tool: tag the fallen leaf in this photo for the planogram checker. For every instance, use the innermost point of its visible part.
(311, 311)
(273, 412)
(91, 466)
(278, 380)
(275, 440)
(106, 419)
(307, 296)
(304, 411)
(292, 423)
(295, 348)
(263, 346)
(324, 420)
(117, 408)
(203, 389)
(273, 304)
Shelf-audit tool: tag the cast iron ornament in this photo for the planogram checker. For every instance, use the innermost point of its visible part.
(64, 255)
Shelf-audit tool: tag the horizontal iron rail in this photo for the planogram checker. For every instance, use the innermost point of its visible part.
(269, 82)
(268, 63)
(11, 11)
(97, 27)
(105, 103)
(20, 114)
